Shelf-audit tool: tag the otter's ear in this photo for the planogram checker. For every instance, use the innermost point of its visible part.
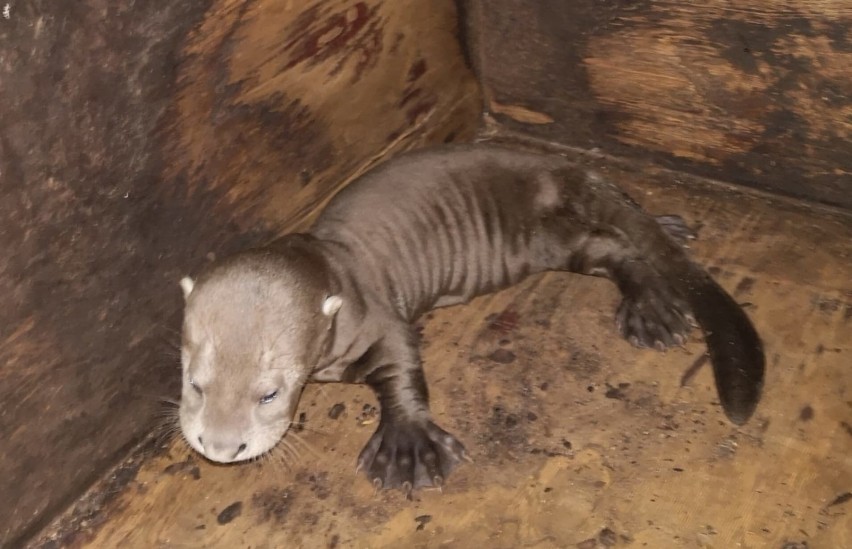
(186, 284)
(331, 305)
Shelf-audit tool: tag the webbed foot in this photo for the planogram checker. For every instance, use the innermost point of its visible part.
(654, 317)
(410, 455)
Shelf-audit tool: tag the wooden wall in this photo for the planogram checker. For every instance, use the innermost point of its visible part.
(757, 93)
(137, 140)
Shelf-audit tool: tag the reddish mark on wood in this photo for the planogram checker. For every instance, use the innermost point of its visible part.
(417, 70)
(505, 322)
(321, 42)
(744, 286)
(397, 40)
(318, 37)
(409, 95)
(841, 499)
(412, 114)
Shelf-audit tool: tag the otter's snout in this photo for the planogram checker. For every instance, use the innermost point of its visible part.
(222, 448)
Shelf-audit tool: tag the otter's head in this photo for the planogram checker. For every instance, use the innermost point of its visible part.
(254, 328)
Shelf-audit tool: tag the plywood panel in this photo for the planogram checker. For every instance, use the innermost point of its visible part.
(755, 94)
(578, 440)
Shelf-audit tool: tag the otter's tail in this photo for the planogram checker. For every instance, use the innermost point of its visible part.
(735, 349)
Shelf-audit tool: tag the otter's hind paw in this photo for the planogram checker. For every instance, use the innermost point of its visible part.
(675, 226)
(654, 317)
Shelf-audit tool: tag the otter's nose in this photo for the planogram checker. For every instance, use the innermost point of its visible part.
(222, 448)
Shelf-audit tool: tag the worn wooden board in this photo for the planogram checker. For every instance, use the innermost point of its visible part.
(756, 94)
(578, 439)
(138, 139)
(311, 91)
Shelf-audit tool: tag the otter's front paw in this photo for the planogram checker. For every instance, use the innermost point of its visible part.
(410, 455)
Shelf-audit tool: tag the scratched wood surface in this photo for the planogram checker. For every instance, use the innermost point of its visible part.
(755, 93)
(578, 440)
(139, 139)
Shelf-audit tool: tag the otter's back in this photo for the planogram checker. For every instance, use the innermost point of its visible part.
(437, 227)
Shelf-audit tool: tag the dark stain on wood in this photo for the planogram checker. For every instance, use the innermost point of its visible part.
(744, 286)
(422, 521)
(841, 499)
(223, 134)
(759, 98)
(414, 114)
(417, 70)
(335, 411)
(419, 105)
(230, 512)
(274, 503)
(617, 392)
(502, 356)
(188, 467)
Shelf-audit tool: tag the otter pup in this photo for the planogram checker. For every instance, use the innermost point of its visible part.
(430, 229)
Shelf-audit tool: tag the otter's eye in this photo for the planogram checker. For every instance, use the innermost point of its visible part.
(195, 386)
(266, 399)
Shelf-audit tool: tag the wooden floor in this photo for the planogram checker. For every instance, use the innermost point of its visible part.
(578, 440)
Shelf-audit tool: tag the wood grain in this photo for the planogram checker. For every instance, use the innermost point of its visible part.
(757, 94)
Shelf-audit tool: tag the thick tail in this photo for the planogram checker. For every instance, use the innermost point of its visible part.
(646, 259)
(735, 349)
(733, 344)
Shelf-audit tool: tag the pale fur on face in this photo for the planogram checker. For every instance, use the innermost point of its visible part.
(249, 337)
